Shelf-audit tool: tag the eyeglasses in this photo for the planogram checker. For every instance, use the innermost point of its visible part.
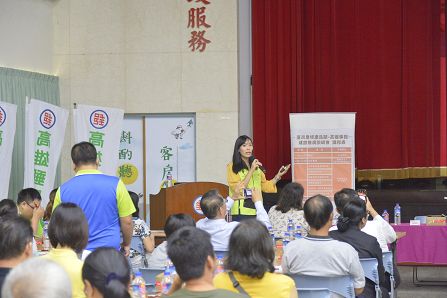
(32, 207)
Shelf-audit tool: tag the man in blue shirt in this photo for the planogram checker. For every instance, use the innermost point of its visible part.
(104, 200)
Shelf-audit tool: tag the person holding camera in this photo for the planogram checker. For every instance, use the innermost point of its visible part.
(248, 170)
(215, 207)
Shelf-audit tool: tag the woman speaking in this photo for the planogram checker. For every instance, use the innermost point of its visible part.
(249, 170)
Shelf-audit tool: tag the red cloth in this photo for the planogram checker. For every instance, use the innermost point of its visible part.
(378, 58)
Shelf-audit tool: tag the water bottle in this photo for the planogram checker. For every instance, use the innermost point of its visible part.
(219, 265)
(46, 239)
(138, 286)
(169, 179)
(291, 229)
(166, 283)
(286, 239)
(397, 214)
(386, 215)
(298, 232)
(272, 235)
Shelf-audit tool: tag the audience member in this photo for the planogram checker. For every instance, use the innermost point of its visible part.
(250, 264)
(49, 207)
(215, 209)
(377, 227)
(68, 233)
(351, 221)
(174, 222)
(93, 191)
(290, 206)
(334, 258)
(8, 207)
(191, 252)
(16, 238)
(106, 273)
(28, 203)
(37, 278)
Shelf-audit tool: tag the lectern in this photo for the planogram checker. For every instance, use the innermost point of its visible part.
(179, 199)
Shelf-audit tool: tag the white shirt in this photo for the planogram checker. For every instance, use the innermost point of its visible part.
(220, 230)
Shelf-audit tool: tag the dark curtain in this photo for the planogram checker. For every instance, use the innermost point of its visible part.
(378, 58)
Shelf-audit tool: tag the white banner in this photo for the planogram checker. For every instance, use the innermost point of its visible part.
(44, 135)
(7, 131)
(131, 160)
(170, 143)
(101, 127)
(323, 152)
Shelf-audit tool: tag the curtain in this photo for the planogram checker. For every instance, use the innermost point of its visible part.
(15, 86)
(378, 58)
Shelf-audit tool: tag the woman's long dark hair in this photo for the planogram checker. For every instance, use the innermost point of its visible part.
(108, 271)
(291, 197)
(250, 249)
(238, 163)
(352, 214)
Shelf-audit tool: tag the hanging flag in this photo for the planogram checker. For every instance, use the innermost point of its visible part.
(101, 127)
(7, 131)
(44, 135)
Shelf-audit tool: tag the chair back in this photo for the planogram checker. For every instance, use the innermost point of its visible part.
(370, 266)
(388, 261)
(421, 218)
(137, 244)
(314, 293)
(341, 285)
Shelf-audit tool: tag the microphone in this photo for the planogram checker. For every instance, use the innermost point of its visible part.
(250, 161)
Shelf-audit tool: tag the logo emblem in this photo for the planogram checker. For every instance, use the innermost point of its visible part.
(2, 116)
(196, 205)
(47, 118)
(99, 119)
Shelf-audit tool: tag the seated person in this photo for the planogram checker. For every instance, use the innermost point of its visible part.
(159, 256)
(250, 264)
(106, 273)
(28, 203)
(290, 206)
(317, 254)
(196, 269)
(350, 223)
(215, 209)
(140, 230)
(37, 278)
(16, 238)
(377, 227)
(68, 233)
(8, 207)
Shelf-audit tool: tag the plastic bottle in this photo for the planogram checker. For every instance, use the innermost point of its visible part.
(397, 214)
(291, 229)
(169, 179)
(272, 235)
(166, 283)
(46, 239)
(219, 265)
(298, 232)
(286, 239)
(386, 215)
(138, 286)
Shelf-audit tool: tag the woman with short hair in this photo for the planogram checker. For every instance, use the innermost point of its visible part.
(68, 233)
(250, 263)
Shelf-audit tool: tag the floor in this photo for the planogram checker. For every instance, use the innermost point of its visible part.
(408, 290)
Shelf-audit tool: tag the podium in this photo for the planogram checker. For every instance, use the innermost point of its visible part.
(179, 199)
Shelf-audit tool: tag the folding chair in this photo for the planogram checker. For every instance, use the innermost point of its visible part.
(341, 285)
(372, 273)
(313, 293)
(388, 264)
(149, 277)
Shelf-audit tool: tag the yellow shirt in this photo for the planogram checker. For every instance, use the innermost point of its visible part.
(257, 181)
(270, 285)
(68, 259)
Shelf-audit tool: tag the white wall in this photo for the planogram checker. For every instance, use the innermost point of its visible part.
(133, 54)
(26, 35)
